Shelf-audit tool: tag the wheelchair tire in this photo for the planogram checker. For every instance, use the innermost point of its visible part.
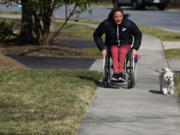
(106, 70)
(131, 71)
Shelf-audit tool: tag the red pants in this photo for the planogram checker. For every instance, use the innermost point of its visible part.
(118, 57)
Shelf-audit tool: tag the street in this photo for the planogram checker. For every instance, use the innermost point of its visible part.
(169, 20)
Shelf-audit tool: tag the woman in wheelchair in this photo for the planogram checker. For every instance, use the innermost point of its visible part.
(120, 33)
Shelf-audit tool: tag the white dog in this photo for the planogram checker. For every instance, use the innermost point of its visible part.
(166, 81)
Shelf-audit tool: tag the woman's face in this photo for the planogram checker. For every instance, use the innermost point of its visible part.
(118, 16)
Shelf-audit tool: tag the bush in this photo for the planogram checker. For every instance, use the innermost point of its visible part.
(6, 31)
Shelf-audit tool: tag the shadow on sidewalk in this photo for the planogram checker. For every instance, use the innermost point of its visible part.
(98, 83)
(155, 92)
(102, 85)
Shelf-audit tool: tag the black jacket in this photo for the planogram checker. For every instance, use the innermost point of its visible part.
(117, 34)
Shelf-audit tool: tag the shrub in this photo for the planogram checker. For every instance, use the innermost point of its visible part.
(6, 31)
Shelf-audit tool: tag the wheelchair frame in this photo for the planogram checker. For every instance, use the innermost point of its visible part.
(129, 70)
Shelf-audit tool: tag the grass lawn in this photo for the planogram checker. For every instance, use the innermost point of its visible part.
(164, 35)
(177, 84)
(172, 54)
(102, 3)
(80, 20)
(44, 102)
(9, 12)
(78, 30)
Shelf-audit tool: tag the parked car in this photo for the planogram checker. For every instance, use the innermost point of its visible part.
(140, 4)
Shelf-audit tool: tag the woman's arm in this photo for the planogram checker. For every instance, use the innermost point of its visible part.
(137, 36)
(100, 30)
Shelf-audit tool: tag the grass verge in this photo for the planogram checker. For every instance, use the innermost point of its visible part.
(177, 84)
(91, 21)
(9, 12)
(78, 30)
(172, 54)
(102, 3)
(44, 102)
(93, 52)
(164, 35)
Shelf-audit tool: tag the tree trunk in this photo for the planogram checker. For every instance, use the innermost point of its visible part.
(35, 24)
(42, 22)
(26, 32)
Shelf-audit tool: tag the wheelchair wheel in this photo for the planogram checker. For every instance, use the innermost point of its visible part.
(106, 70)
(130, 67)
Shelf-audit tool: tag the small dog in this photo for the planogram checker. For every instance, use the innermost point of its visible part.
(166, 79)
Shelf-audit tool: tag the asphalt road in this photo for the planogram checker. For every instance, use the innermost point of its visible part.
(78, 44)
(54, 62)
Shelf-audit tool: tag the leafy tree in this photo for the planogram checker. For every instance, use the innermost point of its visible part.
(37, 16)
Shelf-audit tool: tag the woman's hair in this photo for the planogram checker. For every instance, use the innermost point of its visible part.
(118, 9)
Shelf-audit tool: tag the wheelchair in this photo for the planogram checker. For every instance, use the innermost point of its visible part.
(129, 71)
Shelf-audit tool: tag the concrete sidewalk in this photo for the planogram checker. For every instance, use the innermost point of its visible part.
(142, 110)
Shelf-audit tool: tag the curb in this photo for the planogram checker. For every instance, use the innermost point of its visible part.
(171, 44)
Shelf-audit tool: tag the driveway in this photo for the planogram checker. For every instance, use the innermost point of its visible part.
(78, 44)
(54, 62)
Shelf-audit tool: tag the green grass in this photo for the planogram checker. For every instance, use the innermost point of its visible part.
(164, 35)
(177, 84)
(102, 3)
(9, 21)
(38, 102)
(91, 21)
(9, 12)
(78, 30)
(172, 54)
(93, 52)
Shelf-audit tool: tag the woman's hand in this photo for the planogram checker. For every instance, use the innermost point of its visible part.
(134, 52)
(104, 52)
